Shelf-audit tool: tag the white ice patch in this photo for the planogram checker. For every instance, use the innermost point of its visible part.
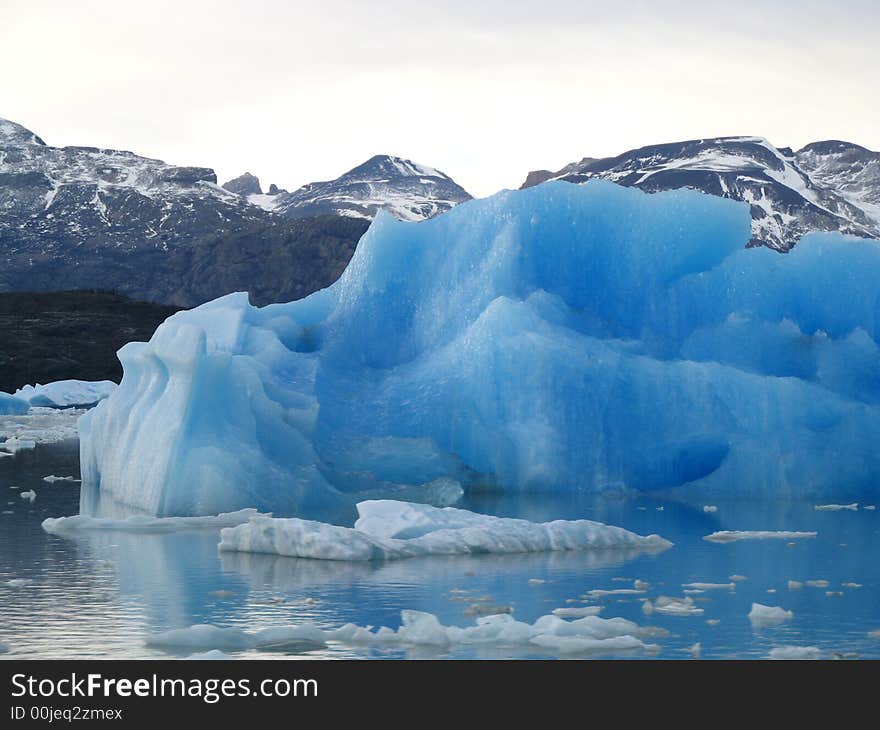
(51, 479)
(734, 535)
(761, 615)
(674, 606)
(66, 393)
(836, 507)
(391, 530)
(140, 523)
(818, 583)
(38, 426)
(589, 634)
(29, 495)
(710, 508)
(795, 652)
(710, 586)
(577, 612)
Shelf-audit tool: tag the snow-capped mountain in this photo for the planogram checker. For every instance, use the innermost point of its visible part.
(826, 186)
(90, 218)
(407, 190)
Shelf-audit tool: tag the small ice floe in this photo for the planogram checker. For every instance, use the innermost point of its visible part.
(142, 523)
(213, 655)
(18, 582)
(713, 621)
(837, 507)
(577, 612)
(795, 652)
(311, 601)
(734, 535)
(392, 530)
(51, 479)
(695, 650)
(603, 592)
(29, 495)
(833, 593)
(762, 615)
(874, 634)
(795, 585)
(13, 445)
(641, 585)
(661, 508)
(771, 590)
(737, 578)
(852, 585)
(8, 512)
(675, 606)
(587, 635)
(845, 655)
(536, 581)
(818, 583)
(870, 506)
(693, 591)
(710, 508)
(710, 586)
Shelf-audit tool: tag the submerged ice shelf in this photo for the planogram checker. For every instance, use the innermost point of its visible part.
(559, 338)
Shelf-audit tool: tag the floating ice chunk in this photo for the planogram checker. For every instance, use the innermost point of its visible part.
(51, 479)
(833, 593)
(536, 581)
(711, 586)
(737, 578)
(577, 611)
(713, 621)
(589, 634)
(18, 582)
(710, 508)
(390, 530)
(11, 405)
(213, 655)
(870, 507)
(874, 634)
(795, 652)
(29, 495)
(605, 592)
(14, 444)
(852, 585)
(147, 524)
(677, 606)
(795, 585)
(761, 615)
(641, 585)
(66, 393)
(818, 583)
(734, 535)
(836, 507)
(695, 650)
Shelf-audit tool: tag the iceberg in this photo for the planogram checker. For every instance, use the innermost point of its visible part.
(11, 405)
(66, 393)
(560, 338)
(391, 530)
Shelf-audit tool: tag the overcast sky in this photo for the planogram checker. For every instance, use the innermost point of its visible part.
(484, 90)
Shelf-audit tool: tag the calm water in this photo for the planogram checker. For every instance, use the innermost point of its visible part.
(99, 595)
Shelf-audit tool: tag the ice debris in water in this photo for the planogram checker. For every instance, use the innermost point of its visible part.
(673, 606)
(737, 578)
(140, 523)
(390, 530)
(710, 586)
(836, 507)
(589, 634)
(29, 495)
(795, 585)
(51, 479)
(556, 338)
(734, 535)
(710, 508)
(818, 583)
(18, 582)
(761, 615)
(577, 611)
(795, 652)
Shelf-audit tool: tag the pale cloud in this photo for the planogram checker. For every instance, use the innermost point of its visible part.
(486, 91)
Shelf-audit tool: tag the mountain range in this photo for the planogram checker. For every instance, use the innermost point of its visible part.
(87, 218)
(91, 218)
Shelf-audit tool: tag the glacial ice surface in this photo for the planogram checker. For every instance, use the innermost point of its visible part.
(391, 530)
(11, 405)
(66, 393)
(558, 338)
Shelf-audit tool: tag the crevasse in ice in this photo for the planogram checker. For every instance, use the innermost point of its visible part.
(558, 338)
